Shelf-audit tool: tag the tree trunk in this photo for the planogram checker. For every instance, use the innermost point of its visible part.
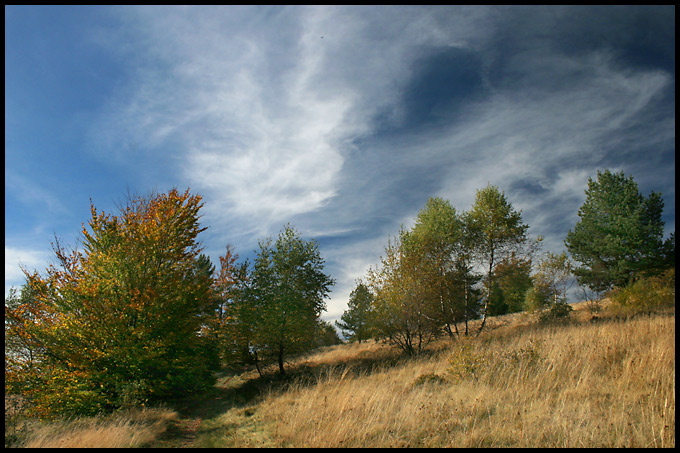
(281, 370)
(257, 363)
(467, 308)
(488, 295)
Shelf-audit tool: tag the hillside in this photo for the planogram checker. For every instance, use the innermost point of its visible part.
(607, 383)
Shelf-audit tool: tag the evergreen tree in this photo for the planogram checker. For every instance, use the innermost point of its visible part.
(355, 321)
(619, 233)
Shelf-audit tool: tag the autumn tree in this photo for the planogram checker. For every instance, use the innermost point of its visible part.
(432, 247)
(124, 320)
(497, 229)
(286, 297)
(355, 322)
(404, 312)
(619, 233)
(233, 323)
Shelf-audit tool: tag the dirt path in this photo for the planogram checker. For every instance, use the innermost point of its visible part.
(180, 434)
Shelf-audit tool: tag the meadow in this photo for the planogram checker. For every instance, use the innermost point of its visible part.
(605, 381)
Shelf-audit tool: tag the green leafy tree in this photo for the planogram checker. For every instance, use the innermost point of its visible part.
(355, 322)
(513, 278)
(326, 335)
(123, 321)
(619, 233)
(403, 310)
(554, 272)
(287, 294)
(551, 281)
(497, 303)
(433, 245)
(465, 292)
(497, 230)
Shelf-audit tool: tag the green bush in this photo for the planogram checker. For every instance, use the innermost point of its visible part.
(559, 312)
(646, 294)
(465, 363)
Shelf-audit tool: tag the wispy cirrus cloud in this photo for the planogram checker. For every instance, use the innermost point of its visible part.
(343, 120)
(17, 258)
(262, 113)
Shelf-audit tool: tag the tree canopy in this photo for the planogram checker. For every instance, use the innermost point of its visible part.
(619, 233)
(287, 292)
(355, 322)
(123, 320)
(497, 230)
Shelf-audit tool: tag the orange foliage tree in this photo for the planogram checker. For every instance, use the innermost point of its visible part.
(122, 322)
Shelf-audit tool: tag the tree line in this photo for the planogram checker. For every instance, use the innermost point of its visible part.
(141, 315)
(452, 267)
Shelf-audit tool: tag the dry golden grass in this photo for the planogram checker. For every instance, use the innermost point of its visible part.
(609, 383)
(606, 384)
(129, 429)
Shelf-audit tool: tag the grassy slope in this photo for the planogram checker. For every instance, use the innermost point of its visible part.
(608, 383)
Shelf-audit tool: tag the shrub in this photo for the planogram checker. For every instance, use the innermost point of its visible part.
(646, 294)
(430, 378)
(559, 312)
(466, 363)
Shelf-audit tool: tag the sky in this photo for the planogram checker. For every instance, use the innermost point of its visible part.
(340, 120)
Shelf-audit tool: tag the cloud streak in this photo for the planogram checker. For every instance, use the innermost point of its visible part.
(343, 120)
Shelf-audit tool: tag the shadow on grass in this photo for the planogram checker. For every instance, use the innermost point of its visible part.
(240, 389)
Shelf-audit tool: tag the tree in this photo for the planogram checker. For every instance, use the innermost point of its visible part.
(233, 324)
(465, 293)
(513, 277)
(355, 321)
(124, 320)
(619, 233)
(555, 273)
(287, 294)
(326, 335)
(551, 281)
(432, 246)
(497, 229)
(403, 310)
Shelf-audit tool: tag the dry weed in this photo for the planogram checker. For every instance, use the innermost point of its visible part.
(133, 428)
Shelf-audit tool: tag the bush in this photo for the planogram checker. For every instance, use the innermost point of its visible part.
(559, 312)
(466, 363)
(646, 294)
(430, 378)
(536, 298)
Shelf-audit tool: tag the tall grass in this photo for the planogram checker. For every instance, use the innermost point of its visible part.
(601, 385)
(134, 428)
(609, 383)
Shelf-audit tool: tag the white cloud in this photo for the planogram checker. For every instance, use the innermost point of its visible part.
(260, 104)
(262, 109)
(15, 258)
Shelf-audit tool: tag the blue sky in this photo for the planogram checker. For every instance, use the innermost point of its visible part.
(342, 120)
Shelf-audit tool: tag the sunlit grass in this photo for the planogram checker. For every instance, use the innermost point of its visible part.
(133, 428)
(609, 383)
(593, 385)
